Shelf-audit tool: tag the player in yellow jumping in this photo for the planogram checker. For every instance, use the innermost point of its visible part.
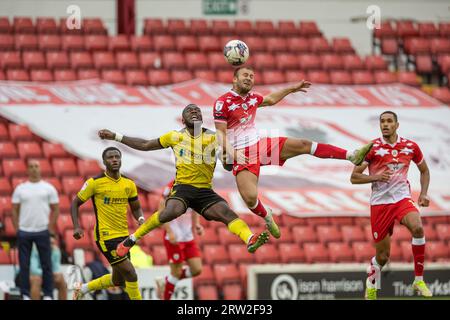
(110, 193)
(195, 151)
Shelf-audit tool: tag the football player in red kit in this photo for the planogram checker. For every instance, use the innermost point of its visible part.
(388, 164)
(234, 116)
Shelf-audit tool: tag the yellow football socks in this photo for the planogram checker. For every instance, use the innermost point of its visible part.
(241, 229)
(132, 289)
(101, 283)
(150, 224)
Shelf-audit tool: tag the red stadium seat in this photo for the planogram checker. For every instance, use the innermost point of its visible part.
(5, 26)
(401, 233)
(88, 168)
(315, 252)
(267, 254)
(159, 255)
(320, 45)
(29, 149)
(298, 45)
(136, 78)
(64, 203)
(64, 221)
(26, 42)
(287, 234)
(442, 94)
(431, 234)
(10, 59)
(164, 43)
(444, 63)
(150, 60)
(209, 43)
(276, 44)
(328, 233)
(384, 77)
(291, 221)
(19, 132)
(437, 251)
(340, 77)
(113, 76)
(265, 28)
(252, 220)
(342, 46)
(208, 75)
(363, 251)
(41, 75)
(444, 29)
(245, 27)
(389, 46)
(53, 150)
(71, 243)
(439, 46)
(15, 181)
(46, 26)
(55, 182)
(181, 76)
(173, 60)
(9, 230)
(332, 62)
(288, 28)
(71, 185)
(424, 64)
(198, 27)
(96, 42)
(64, 75)
(224, 76)
(6, 205)
(309, 29)
(226, 273)
(127, 60)
(291, 253)
(273, 77)
(362, 77)
(406, 29)
(310, 62)
(81, 60)
(5, 188)
(239, 254)
(408, 77)
(4, 135)
(318, 76)
(416, 46)
(353, 62)
(176, 26)
(33, 59)
(119, 42)
(104, 60)
(206, 277)
(443, 232)
(216, 61)
(220, 27)
(209, 237)
(4, 257)
(155, 237)
(154, 26)
(196, 60)
(226, 237)
(74, 28)
(352, 233)
(186, 43)
(214, 254)
(64, 167)
(93, 26)
(340, 252)
(232, 291)
(88, 221)
(386, 30)
(17, 75)
(57, 60)
(72, 42)
(286, 61)
(23, 25)
(375, 63)
(207, 292)
(396, 252)
(8, 150)
(304, 234)
(141, 43)
(6, 42)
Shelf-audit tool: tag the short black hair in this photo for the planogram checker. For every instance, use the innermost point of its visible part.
(390, 112)
(236, 71)
(110, 149)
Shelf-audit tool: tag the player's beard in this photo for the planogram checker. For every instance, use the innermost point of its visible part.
(243, 89)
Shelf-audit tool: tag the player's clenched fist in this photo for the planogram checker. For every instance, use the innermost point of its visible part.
(78, 233)
(106, 134)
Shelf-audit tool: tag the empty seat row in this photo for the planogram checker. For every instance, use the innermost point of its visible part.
(403, 29)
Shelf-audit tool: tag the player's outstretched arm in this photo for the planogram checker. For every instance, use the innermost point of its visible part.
(358, 177)
(135, 143)
(277, 96)
(424, 201)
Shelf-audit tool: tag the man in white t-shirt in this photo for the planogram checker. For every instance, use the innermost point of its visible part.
(33, 201)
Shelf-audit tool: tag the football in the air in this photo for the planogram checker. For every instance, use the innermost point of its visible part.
(236, 52)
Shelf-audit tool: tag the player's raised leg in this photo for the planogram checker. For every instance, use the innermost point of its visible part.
(173, 210)
(220, 211)
(382, 248)
(294, 147)
(247, 183)
(414, 224)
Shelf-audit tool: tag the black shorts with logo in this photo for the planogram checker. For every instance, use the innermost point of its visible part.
(198, 199)
(108, 249)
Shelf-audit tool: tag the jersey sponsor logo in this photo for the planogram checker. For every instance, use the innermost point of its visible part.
(108, 200)
(395, 166)
(219, 105)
